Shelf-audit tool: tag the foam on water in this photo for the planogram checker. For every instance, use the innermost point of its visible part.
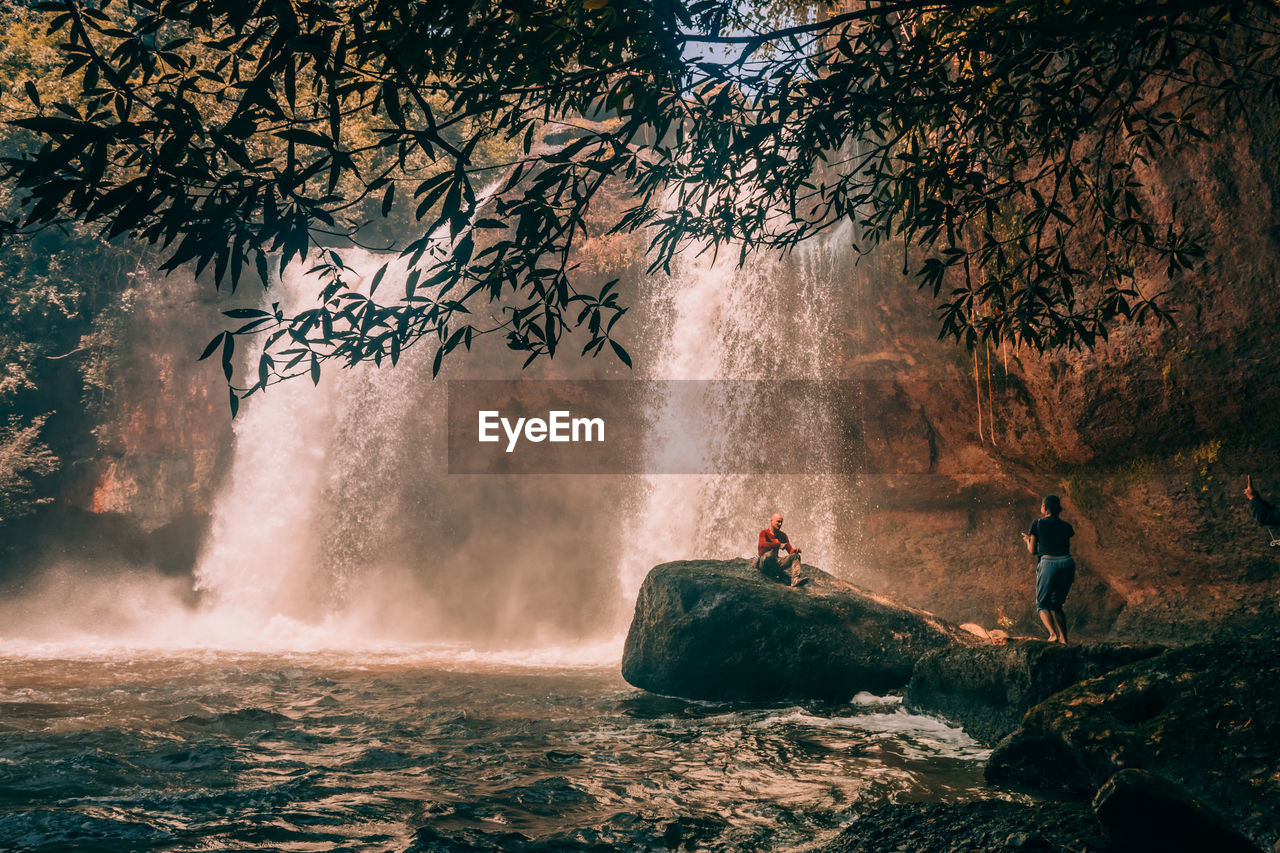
(308, 646)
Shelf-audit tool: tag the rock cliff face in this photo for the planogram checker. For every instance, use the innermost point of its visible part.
(167, 426)
(1147, 439)
(141, 490)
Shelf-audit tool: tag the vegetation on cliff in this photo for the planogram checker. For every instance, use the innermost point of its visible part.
(59, 303)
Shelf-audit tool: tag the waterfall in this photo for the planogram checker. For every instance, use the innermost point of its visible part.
(338, 516)
(311, 488)
(338, 513)
(776, 319)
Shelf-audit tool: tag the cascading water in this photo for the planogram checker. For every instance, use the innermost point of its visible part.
(338, 519)
(337, 514)
(275, 552)
(773, 319)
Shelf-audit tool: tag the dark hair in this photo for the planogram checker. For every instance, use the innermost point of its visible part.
(1053, 503)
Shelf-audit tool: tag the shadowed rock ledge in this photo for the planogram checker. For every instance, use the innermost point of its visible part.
(1140, 811)
(987, 690)
(712, 629)
(982, 826)
(1204, 717)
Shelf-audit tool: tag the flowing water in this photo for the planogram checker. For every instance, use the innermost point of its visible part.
(204, 750)
(132, 719)
(773, 322)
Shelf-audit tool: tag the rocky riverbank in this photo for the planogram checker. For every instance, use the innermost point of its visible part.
(986, 690)
(1206, 717)
(1180, 745)
(989, 825)
(1178, 751)
(1177, 748)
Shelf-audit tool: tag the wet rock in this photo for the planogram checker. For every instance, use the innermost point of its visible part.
(1139, 811)
(1028, 842)
(720, 630)
(1206, 717)
(989, 826)
(988, 689)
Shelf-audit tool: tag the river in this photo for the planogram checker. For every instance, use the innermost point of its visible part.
(116, 749)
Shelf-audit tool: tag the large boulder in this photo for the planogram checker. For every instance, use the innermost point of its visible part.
(708, 629)
(1206, 717)
(987, 689)
(1140, 811)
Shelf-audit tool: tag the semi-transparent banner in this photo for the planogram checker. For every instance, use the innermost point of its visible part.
(656, 427)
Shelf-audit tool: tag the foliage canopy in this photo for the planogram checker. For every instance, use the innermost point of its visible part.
(1001, 144)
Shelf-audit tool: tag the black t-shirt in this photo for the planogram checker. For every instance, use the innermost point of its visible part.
(1053, 536)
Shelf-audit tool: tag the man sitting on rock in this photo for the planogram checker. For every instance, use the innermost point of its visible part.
(772, 540)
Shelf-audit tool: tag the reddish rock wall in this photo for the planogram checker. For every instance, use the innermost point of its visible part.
(1147, 439)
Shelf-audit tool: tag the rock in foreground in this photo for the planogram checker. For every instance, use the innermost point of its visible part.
(988, 689)
(1139, 811)
(1206, 717)
(989, 826)
(708, 629)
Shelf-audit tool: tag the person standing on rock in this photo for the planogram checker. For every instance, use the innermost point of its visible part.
(772, 541)
(1049, 540)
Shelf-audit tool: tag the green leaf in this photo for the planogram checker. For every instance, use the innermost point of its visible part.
(622, 354)
(213, 345)
(260, 259)
(228, 350)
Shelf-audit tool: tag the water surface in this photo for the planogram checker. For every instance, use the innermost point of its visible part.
(181, 751)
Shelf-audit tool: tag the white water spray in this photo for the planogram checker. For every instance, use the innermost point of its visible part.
(276, 549)
(338, 516)
(772, 319)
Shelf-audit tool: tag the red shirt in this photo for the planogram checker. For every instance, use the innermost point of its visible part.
(770, 542)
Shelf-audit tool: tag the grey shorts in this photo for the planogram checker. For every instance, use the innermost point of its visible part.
(772, 568)
(1054, 576)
